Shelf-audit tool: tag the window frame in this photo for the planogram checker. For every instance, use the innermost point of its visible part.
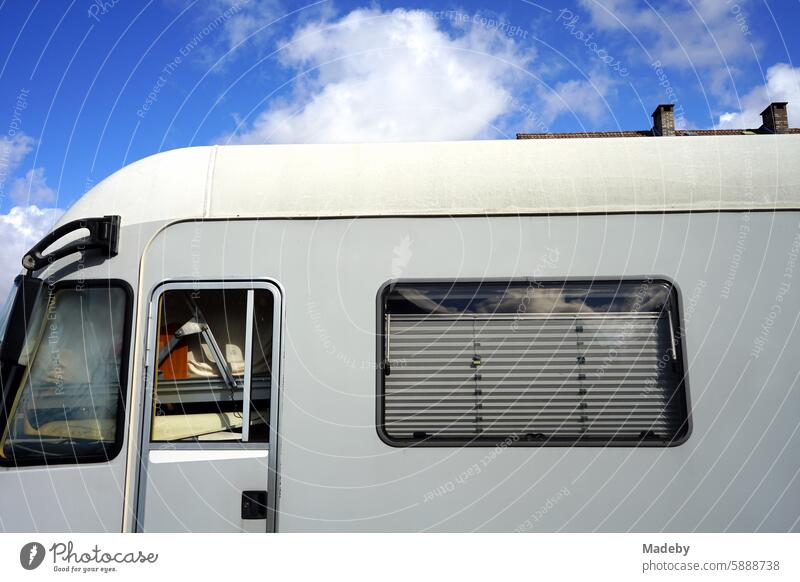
(675, 312)
(124, 371)
(150, 369)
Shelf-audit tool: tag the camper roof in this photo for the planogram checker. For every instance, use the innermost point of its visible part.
(454, 178)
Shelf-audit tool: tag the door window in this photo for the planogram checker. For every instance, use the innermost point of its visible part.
(213, 366)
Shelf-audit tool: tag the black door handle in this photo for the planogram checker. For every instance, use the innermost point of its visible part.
(254, 505)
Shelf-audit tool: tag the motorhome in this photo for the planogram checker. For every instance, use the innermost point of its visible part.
(522, 335)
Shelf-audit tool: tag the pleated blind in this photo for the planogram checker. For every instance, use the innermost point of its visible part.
(548, 377)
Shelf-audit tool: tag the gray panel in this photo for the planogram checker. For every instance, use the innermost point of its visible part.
(738, 470)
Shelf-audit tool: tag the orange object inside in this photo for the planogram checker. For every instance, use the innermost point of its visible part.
(176, 365)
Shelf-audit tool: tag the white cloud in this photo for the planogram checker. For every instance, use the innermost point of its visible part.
(783, 84)
(391, 76)
(250, 18)
(12, 151)
(219, 28)
(26, 223)
(32, 188)
(710, 35)
(577, 97)
(20, 229)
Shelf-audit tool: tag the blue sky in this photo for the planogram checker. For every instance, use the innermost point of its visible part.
(89, 86)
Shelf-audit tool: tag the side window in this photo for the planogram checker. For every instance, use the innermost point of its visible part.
(213, 366)
(559, 363)
(70, 407)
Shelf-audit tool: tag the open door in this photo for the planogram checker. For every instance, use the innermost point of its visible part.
(209, 432)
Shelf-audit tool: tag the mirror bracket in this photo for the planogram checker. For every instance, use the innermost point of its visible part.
(103, 236)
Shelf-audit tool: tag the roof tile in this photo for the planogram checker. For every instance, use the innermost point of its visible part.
(647, 133)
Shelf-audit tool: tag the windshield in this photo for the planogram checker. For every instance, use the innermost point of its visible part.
(71, 392)
(6, 310)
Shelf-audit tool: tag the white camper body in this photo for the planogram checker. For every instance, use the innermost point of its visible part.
(310, 238)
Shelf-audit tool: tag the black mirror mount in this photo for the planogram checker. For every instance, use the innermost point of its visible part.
(103, 236)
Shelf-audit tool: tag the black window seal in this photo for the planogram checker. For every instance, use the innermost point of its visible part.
(676, 313)
(112, 452)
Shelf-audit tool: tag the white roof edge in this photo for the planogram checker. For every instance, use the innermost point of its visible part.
(549, 176)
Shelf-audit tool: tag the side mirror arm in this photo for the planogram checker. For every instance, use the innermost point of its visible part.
(103, 236)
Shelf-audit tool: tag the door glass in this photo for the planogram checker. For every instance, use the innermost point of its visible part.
(199, 386)
(263, 307)
(72, 393)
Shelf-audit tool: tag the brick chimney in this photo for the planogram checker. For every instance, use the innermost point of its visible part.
(664, 119)
(775, 119)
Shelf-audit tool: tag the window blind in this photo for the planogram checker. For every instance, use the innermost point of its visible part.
(548, 377)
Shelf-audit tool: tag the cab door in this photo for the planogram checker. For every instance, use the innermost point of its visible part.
(210, 408)
(65, 351)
